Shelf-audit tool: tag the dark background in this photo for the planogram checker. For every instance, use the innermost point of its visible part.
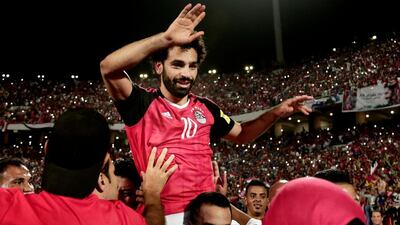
(61, 38)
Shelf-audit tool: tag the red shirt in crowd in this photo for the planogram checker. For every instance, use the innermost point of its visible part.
(49, 209)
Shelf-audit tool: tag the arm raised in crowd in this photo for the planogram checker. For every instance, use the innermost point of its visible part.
(154, 179)
(181, 31)
(221, 185)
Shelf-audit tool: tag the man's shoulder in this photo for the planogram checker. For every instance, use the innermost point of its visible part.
(202, 99)
(10, 193)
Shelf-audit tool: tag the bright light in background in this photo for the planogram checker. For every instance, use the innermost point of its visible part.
(74, 76)
(212, 71)
(374, 37)
(391, 112)
(248, 68)
(143, 76)
(367, 115)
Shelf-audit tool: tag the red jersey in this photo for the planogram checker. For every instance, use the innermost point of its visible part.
(46, 208)
(153, 121)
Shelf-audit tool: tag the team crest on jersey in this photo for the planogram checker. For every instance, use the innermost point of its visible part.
(200, 117)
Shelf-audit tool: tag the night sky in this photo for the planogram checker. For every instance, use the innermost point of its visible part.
(61, 38)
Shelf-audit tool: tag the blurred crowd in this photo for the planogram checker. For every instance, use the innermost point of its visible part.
(368, 153)
(42, 101)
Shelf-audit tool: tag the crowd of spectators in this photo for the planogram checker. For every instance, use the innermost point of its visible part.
(43, 100)
(368, 152)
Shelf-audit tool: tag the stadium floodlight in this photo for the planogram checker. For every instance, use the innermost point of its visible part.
(391, 112)
(367, 116)
(141, 76)
(334, 49)
(330, 114)
(73, 76)
(374, 37)
(298, 121)
(212, 71)
(290, 118)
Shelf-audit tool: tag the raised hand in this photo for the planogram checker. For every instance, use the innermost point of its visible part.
(221, 183)
(292, 105)
(181, 31)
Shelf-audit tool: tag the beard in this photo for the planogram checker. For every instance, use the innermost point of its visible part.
(174, 89)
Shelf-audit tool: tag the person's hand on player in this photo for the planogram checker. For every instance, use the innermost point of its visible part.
(181, 31)
(157, 174)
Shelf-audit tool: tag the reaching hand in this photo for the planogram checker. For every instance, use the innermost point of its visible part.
(181, 31)
(292, 105)
(221, 184)
(157, 174)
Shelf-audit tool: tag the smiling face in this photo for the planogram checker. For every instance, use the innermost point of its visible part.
(376, 218)
(178, 72)
(256, 201)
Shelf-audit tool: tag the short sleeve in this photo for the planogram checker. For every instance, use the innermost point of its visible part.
(135, 106)
(222, 123)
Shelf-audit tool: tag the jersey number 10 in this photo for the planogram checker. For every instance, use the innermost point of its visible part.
(190, 128)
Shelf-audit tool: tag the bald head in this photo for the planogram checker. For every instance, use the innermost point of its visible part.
(275, 188)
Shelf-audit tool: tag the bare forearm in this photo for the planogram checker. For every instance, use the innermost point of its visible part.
(113, 66)
(132, 54)
(153, 211)
(239, 216)
(255, 128)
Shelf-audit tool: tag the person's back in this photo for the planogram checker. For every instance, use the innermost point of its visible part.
(49, 209)
(76, 153)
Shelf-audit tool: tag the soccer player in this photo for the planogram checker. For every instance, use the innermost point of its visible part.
(173, 117)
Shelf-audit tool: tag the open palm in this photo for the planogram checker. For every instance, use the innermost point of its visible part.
(181, 31)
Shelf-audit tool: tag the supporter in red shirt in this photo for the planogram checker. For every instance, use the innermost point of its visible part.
(75, 167)
(313, 201)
